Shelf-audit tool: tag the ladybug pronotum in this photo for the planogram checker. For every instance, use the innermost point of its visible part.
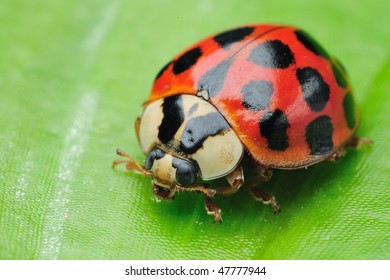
(258, 98)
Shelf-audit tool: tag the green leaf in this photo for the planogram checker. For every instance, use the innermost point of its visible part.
(73, 76)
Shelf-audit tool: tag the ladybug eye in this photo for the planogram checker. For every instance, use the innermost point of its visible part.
(186, 173)
(153, 155)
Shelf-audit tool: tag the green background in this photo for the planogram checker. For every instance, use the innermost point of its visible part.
(73, 76)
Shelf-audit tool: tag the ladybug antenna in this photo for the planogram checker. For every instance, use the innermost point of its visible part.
(130, 163)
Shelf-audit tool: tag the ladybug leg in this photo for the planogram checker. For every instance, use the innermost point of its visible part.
(137, 126)
(212, 209)
(235, 180)
(356, 142)
(202, 188)
(337, 155)
(130, 163)
(263, 176)
(265, 197)
(209, 205)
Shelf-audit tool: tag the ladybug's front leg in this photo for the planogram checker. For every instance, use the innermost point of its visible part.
(212, 209)
(209, 205)
(235, 179)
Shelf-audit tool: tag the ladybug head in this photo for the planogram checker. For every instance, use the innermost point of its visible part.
(169, 172)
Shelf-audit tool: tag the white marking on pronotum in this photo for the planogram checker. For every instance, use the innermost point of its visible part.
(74, 146)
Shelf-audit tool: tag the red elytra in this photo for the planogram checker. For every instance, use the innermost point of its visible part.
(289, 102)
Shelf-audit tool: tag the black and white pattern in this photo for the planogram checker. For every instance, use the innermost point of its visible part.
(191, 128)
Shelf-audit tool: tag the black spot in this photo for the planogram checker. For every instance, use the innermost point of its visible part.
(198, 129)
(339, 74)
(349, 110)
(315, 90)
(227, 38)
(273, 126)
(273, 54)
(154, 154)
(187, 60)
(162, 70)
(319, 135)
(257, 94)
(213, 80)
(186, 172)
(311, 44)
(173, 118)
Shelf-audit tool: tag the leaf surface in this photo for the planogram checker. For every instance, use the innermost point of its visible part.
(73, 76)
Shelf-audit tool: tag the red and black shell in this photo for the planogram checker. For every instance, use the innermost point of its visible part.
(289, 102)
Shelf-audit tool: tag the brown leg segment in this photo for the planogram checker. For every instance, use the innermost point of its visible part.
(209, 205)
(235, 180)
(137, 125)
(202, 188)
(265, 197)
(337, 155)
(264, 175)
(212, 209)
(356, 142)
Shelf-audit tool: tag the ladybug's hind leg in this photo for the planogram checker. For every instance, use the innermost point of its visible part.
(263, 175)
(356, 142)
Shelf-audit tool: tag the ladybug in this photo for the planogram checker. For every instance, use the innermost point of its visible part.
(258, 97)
